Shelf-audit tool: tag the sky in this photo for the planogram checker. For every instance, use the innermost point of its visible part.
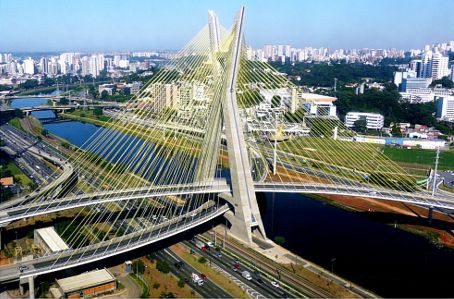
(136, 25)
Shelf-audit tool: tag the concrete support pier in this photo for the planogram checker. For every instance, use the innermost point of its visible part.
(31, 287)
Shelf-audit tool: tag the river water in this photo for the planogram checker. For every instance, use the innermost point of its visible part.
(388, 261)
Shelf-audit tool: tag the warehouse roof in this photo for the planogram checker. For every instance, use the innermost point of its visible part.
(85, 280)
(52, 239)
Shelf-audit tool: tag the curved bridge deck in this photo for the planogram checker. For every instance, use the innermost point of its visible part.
(60, 204)
(92, 253)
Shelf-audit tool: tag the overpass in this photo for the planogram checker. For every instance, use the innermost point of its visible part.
(108, 248)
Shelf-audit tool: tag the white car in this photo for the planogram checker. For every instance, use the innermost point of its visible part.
(275, 284)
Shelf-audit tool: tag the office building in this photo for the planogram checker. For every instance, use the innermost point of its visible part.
(374, 121)
(445, 108)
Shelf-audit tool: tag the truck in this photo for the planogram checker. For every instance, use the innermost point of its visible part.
(200, 245)
(246, 275)
(197, 280)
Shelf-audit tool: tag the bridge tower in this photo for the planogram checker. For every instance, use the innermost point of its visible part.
(246, 220)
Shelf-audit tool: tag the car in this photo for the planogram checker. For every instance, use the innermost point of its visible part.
(259, 280)
(275, 284)
(234, 269)
(203, 276)
(218, 254)
(23, 268)
(210, 244)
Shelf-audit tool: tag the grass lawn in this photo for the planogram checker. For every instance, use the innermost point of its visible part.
(420, 156)
(15, 122)
(16, 172)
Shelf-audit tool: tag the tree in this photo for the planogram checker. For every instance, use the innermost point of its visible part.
(64, 101)
(181, 283)
(166, 295)
(17, 112)
(162, 266)
(202, 260)
(445, 82)
(104, 94)
(280, 240)
(44, 132)
(32, 185)
(97, 111)
(138, 267)
(360, 125)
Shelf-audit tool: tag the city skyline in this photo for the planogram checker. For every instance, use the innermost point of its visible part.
(117, 26)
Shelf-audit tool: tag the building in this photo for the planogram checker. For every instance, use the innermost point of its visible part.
(87, 285)
(445, 109)
(161, 96)
(48, 239)
(439, 66)
(426, 65)
(29, 66)
(317, 104)
(452, 72)
(133, 88)
(415, 83)
(374, 121)
(109, 88)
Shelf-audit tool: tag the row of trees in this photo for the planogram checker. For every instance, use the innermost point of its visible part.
(323, 74)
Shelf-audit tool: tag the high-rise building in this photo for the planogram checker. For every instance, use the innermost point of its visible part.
(85, 66)
(53, 66)
(94, 66)
(415, 65)
(452, 72)
(426, 65)
(268, 51)
(29, 66)
(43, 65)
(439, 66)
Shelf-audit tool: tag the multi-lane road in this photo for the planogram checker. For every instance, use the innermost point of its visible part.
(258, 287)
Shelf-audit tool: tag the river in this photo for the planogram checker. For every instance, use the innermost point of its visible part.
(388, 261)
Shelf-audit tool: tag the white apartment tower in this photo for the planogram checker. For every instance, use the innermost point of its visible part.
(29, 66)
(439, 66)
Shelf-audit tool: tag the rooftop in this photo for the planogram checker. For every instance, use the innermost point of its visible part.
(314, 97)
(85, 280)
(52, 239)
(7, 181)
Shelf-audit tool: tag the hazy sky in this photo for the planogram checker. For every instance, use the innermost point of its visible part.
(97, 25)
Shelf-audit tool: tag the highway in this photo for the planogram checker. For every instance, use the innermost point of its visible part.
(262, 290)
(209, 288)
(21, 144)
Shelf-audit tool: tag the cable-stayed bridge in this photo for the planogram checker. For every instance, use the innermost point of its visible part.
(182, 152)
